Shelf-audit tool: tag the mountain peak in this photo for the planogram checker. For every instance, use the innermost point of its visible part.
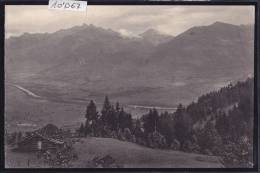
(215, 30)
(220, 24)
(86, 29)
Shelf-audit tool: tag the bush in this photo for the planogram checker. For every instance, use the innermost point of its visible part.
(175, 145)
(156, 140)
(128, 135)
(239, 154)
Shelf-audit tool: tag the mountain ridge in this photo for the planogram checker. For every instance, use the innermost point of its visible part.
(80, 58)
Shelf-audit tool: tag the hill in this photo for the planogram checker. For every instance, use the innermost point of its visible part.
(131, 155)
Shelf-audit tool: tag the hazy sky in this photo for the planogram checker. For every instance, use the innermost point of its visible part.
(129, 20)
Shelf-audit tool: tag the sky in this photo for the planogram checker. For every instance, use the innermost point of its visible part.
(128, 20)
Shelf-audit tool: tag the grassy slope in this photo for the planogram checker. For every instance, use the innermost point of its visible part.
(128, 154)
(131, 155)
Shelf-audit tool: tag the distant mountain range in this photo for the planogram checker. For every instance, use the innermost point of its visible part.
(153, 69)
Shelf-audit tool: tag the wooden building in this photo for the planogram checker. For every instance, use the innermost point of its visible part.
(38, 142)
(46, 138)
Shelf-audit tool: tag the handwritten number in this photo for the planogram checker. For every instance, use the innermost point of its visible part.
(65, 5)
(54, 4)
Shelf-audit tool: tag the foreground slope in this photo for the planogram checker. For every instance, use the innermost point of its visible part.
(131, 155)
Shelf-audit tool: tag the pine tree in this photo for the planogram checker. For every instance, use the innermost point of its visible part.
(112, 119)
(222, 124)
(91, 117)
(128, 121)
(151, 121)
(117, 113)
(182, 124)
(138, 129)
(117, 107)
(121, 118)
(209, 138)
(166, 127)
(106, 110)
(106, 106)
(91, 113)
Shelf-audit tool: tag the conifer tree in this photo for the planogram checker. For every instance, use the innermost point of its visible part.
(91, 113)
(91, 117)
(117, 107)
(182, 124)
(151, 121)
(106, 110)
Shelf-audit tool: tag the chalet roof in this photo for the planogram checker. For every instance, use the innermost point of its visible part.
(35, 134)
(56, 141)
(49, 132)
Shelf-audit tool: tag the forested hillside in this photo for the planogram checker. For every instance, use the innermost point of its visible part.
(219, 123)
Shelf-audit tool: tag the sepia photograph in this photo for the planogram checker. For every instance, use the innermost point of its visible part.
(129, 86)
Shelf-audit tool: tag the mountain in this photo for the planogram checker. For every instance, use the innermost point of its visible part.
(208, 51)
(81, 45)
(155, 37)
(90, 62)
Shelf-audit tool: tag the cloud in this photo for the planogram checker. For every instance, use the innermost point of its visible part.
(128, 20)
(127, 33)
